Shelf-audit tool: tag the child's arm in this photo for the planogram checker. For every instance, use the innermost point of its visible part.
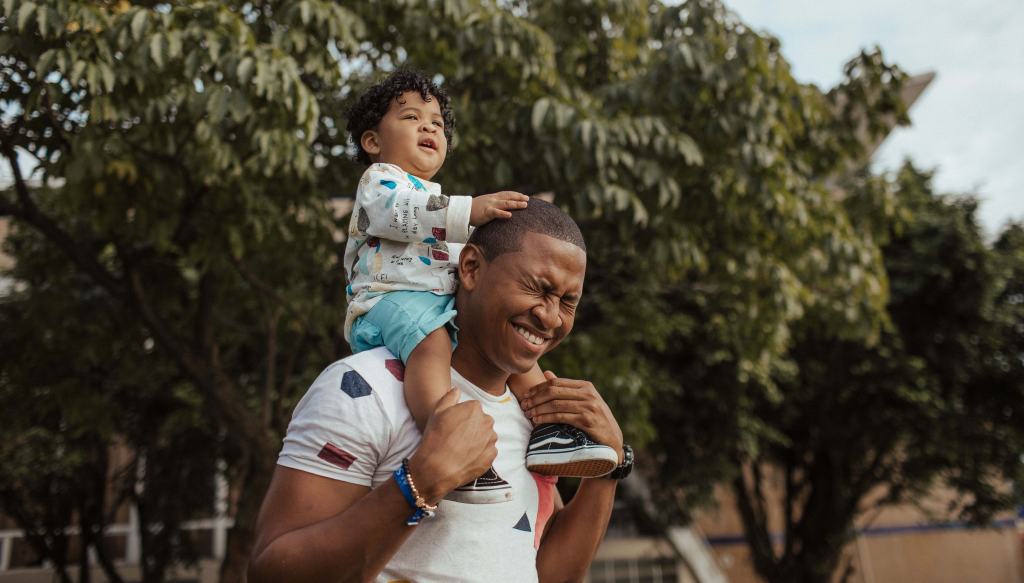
(520, 384)
(488, 207)
(391, 209)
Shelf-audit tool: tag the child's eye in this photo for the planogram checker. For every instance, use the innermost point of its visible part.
(439, 124)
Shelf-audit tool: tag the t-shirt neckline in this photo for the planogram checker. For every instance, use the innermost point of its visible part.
(480, 393)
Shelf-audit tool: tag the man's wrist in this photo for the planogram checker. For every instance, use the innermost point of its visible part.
(624, 468)
(428, 487)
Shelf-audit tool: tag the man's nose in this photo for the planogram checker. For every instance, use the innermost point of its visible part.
(548, 314)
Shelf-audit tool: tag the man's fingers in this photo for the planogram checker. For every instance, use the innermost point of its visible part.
(569, 383)
(500, 214)
(556, 406)
(551, 393)
(574, 419)
(550, 375)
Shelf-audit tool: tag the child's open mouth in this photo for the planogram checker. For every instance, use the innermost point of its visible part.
(428, 143)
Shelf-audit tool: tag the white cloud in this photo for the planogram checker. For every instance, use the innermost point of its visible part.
(969, 123)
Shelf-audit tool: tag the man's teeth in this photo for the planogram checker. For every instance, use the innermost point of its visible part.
(537, 340)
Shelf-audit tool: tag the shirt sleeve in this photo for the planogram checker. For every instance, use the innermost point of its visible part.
(392, 209)
(338, 430)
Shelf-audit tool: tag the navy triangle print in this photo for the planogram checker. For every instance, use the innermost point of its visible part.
(523, 524)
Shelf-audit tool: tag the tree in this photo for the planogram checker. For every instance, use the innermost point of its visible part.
(78, 378)
(176, 141)
(185, 152)
(862, 424)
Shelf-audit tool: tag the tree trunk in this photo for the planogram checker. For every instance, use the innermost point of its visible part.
(242, 536)
(84, 575)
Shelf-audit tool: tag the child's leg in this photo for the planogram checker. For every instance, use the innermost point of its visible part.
(519, 384)
(428, 375)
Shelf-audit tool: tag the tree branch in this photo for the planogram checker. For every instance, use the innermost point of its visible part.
(244, 428)
(755, 526)
(28, 211)
(325, 352)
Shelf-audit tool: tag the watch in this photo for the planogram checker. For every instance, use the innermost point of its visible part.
(622, 470)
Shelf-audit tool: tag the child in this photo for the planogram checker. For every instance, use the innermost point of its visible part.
(403, 247)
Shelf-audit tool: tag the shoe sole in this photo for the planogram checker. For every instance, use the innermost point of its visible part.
(573, 469)
(494, 496)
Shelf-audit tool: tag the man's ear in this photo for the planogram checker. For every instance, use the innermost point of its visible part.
(471, 261)
(370, 142)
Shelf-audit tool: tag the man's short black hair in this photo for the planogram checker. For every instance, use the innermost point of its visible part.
(506, 235)
(373, 104)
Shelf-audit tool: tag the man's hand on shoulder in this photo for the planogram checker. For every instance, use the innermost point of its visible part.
(576, 403)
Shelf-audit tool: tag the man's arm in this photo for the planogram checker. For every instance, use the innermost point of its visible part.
(574, 532)
(313, 528)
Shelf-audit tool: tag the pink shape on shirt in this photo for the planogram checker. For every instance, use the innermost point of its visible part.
(545, 504)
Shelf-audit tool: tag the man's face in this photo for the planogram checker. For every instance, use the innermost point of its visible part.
(410, 135)
(522, 304)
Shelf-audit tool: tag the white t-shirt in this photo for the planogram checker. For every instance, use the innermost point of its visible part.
(353, 425)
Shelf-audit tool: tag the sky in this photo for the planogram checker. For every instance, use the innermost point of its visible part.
(969, 124)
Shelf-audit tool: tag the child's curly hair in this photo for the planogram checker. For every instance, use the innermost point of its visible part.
(373, 104)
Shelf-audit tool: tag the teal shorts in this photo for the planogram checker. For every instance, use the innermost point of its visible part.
(400, 320)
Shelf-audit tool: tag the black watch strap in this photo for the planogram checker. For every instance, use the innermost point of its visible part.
(623, 469)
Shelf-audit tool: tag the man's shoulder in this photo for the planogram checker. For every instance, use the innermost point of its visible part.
(376, 374)
(352, 422)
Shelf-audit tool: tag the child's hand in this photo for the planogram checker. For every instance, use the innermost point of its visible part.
(487, 207)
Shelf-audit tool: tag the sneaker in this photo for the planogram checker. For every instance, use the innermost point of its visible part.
(564, 450)
(489, 488)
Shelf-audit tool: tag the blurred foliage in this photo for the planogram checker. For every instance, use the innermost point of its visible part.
(92, 418)
(185, 151)
(935, 401)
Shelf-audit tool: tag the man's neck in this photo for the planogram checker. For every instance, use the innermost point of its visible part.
(469, 363)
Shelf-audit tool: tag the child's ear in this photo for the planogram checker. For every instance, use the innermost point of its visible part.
(370, 142)
(471, 261)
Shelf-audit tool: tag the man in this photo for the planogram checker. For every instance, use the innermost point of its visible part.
(335, 511)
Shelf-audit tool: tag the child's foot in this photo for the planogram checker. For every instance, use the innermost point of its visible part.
(564, 450)
(489, 488)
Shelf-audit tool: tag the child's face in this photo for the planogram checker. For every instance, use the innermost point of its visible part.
(411, 136)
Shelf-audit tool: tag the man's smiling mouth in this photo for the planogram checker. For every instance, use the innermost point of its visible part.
(530, 337)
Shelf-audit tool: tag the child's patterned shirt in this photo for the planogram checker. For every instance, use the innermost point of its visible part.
(403, 235)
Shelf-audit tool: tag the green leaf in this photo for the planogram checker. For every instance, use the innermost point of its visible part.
(8, 7)
(45, 62)
(235, 243)
(139, 21)
(244, 71)
(108, 77)
(174, 44)
(217, 106)
(25, 13)
(43, 20)
(77, 70)
(540, 109)
(305, 11)
(156, 49)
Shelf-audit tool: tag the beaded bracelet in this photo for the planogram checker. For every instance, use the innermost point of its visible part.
(421, 510)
